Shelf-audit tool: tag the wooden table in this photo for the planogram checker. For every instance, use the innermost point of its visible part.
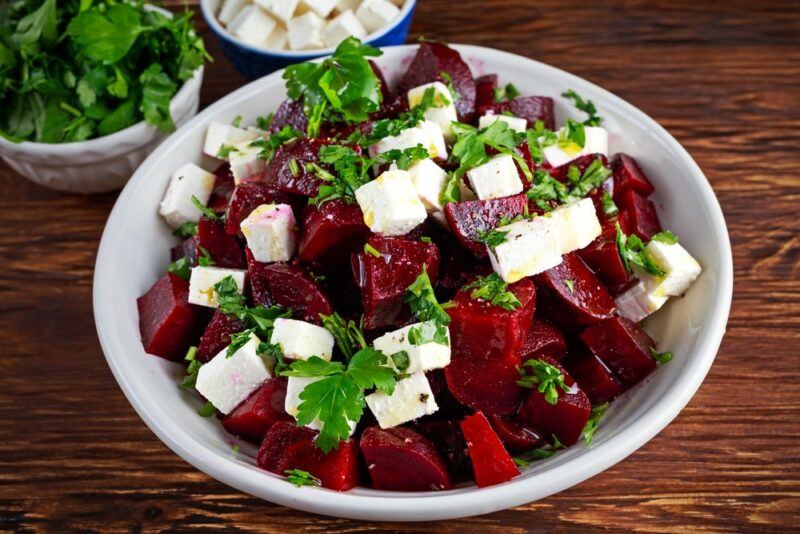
(723, 77)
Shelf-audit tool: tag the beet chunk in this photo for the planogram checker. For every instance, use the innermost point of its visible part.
(514, 434)
(167, 322)
(593, 377)
(488, 386)
(623, 347)
(581, 301)
(279, 170)
(629, 177)
(383, 281)
(566, 418)
(484, 91)
(256, 414)
(641, 213)
(185, 249)
(481, 330)
(223, 189)
(468, 218)
(530, 108)
(458, 265)
(427, 66)
(289, 113)
(217, 335)
(491, 463)
(401, 459)
(247, 197)
(602, 256)
(287, 446)
(289, 286)
(223, 248)
(543, 339)
(331, 231)
(449, 440)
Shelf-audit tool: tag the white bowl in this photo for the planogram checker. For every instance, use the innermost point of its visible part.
(135, 249)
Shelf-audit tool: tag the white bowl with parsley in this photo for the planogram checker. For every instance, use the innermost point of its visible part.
(85, 122)
(692, 327)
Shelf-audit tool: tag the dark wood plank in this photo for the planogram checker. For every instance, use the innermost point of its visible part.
(723, 77)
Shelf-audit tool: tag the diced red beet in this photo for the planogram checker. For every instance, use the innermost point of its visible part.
(624, 347)
(458, 265)
(470, 217)
(223, 189)
(491, 463)
(383, 280)
(223, 248)
(248, 196)
(287, 446)
(530, 108)
(593, 377)
(290, 286)
(628, 176)
(331, 231)
(514, 434)
(259, 289)
(447, 437)
(643, 219)
(489, 386)
(256, 414)
(449, 407)
(484, 91)
(401, 459)
(582, 163)
(289, 113)
(304, 181)
(431, 60)
(602, 256)
(581, 301)
(185, 249)
(481, 330)
(543, 339)
(217, 335)
(566, 418)
(167, 322)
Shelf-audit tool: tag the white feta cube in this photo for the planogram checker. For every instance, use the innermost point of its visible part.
(412, 398)
(437, 147)
(638, 302)
(278, 39)
(443, 111)
(245, 162)
(305, 31)
(252, 26)
(342, 27)
(577, 224)
(271, 232)
(188, 181)
(421, 357)
(515, 123)
(344, 5)
(531, 246)
(426, 133)
(203, 280)
(229, 10)
(221, 135)
(322, 8)
(680, 267)
(496, 178)
(294, 387)
(300, 340)
(429, 180)
(390, 204)
(226, 381)
(563, 152)
(375, 14)
(282, 10)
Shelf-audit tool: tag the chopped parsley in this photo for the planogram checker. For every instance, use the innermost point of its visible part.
(428, 332)
(572, 136)
(294, 168)
(349, 172)
(570, 285)
(207, 212)
(205, 259)
(661, 357)
(546, 189)
(422, 300)
(207, 410)
(237, 121)
(665, 237)
(258, 320)
(451, 192)
(349, 335)
(401, 361)
(596, 414)
(372, 251)
(264, 122)
(237, 341)
(545, 378)
(469, 149)
(192, 369)
(509, 92)
(180, 267)
(301, 478)
(609, 207)
(492, 238)
(587, 106)
(226, 150)
(524, 459)
(448, 81)
(632, 250)
(186, 230)
(269, 145)
(538, 138)
(404, 158)
(494, 290)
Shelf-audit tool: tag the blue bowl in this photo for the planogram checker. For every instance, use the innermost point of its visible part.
(253, 62)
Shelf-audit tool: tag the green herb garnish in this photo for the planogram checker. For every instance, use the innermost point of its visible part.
(596, 414)
(207, 410)
(494, 290)
(632, 250)
(524, 459)
(509, 92)
(422, 300)
(349, 335)
(186, 230)
(469, 149)
(545, 378)
(586, 106)
(609, 207)
(492, 238)
(180, 267)
(207, 212)
(269, 145)
(666, 237)
(428, 332)
(301, 478)
(372, 251)
(661, 357)
(570, 285)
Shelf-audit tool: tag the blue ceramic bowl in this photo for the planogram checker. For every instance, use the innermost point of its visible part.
(255, 62)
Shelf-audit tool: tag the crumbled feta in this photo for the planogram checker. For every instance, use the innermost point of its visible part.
(245, 162)
(229, 10)
(680, 267)
(443, 111)
(576, 224)
(375, 14)
(531, 246)
(422, 357)
(280, 9)
(252, 25)
(561, 153)
(203, 280)
(342, 27)
(190, 180)
(412, 398)
(226, 381)
(271, 232)
(638, 302)
(305, 31)
(300, 340)
(437, 147)
(496, 178)
(426, 133)
(221, 135)
(429, 179)
(515, 123)
(390, 204)
(291, 403)
(322, 8)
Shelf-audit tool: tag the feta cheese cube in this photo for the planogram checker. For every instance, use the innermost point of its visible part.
(443, 111)
(577, 224)
(228, 380)
(437, 148)
(426, 133)
(282, 10)
(496, 178)
(177, 206)
(429, 180)
(681, 268)
(422, 357)
(322, 8)
(412, 398)
(390, 204)
(245, 162)
(271, 232)
(375, 14)
(561, 153)
(294, 387)
(515, 123)
(344, 5)
(638, 302)
(278, 39)
(229, 10)
(203, 280)
(252, 26)
(342, 27)
(300, 340)
(221, 135)
(305, 31)
(531, 246)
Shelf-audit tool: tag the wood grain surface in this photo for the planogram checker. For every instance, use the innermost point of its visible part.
(723, 77)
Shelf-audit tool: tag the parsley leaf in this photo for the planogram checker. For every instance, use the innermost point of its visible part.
(609, 207)
(301, 478)
(492, 238)
(570, 285)
(404, 158)
(632, 250)
(350, 171)
(596, 414)
(422, 300)
(665, 237)
(205, 259)
(237, 341)
(546, 378)
(586, 106)
(428, 332)
(494, 290)
(258, 319)
(661, 357)
(509, 92)
(225, 151)
(524, 459)
(469, 149)
(180, 267)
(349, 335)
(207, 410)
(207, 212)
(269, 145)
(186, 230)
(546, 189)
(572, 136)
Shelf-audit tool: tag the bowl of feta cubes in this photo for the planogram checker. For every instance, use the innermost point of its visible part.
(449, 281)
(261, 36)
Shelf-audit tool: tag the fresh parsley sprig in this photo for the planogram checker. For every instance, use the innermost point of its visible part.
(270, 145)
(587, 106)
(469, 150)
(544, 377)
(492, 289)
(545, 189)
(428, 332)
(180, 267)
(422, 300)
(207, 212)
(349, 335)
(258, 319)
(301, 478)
(349, 172)
(595, 415)
(493, 237)
(507, 92)
(633, 251)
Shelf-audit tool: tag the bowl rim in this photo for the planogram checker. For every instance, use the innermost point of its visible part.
(296, 55)
(429, 505)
